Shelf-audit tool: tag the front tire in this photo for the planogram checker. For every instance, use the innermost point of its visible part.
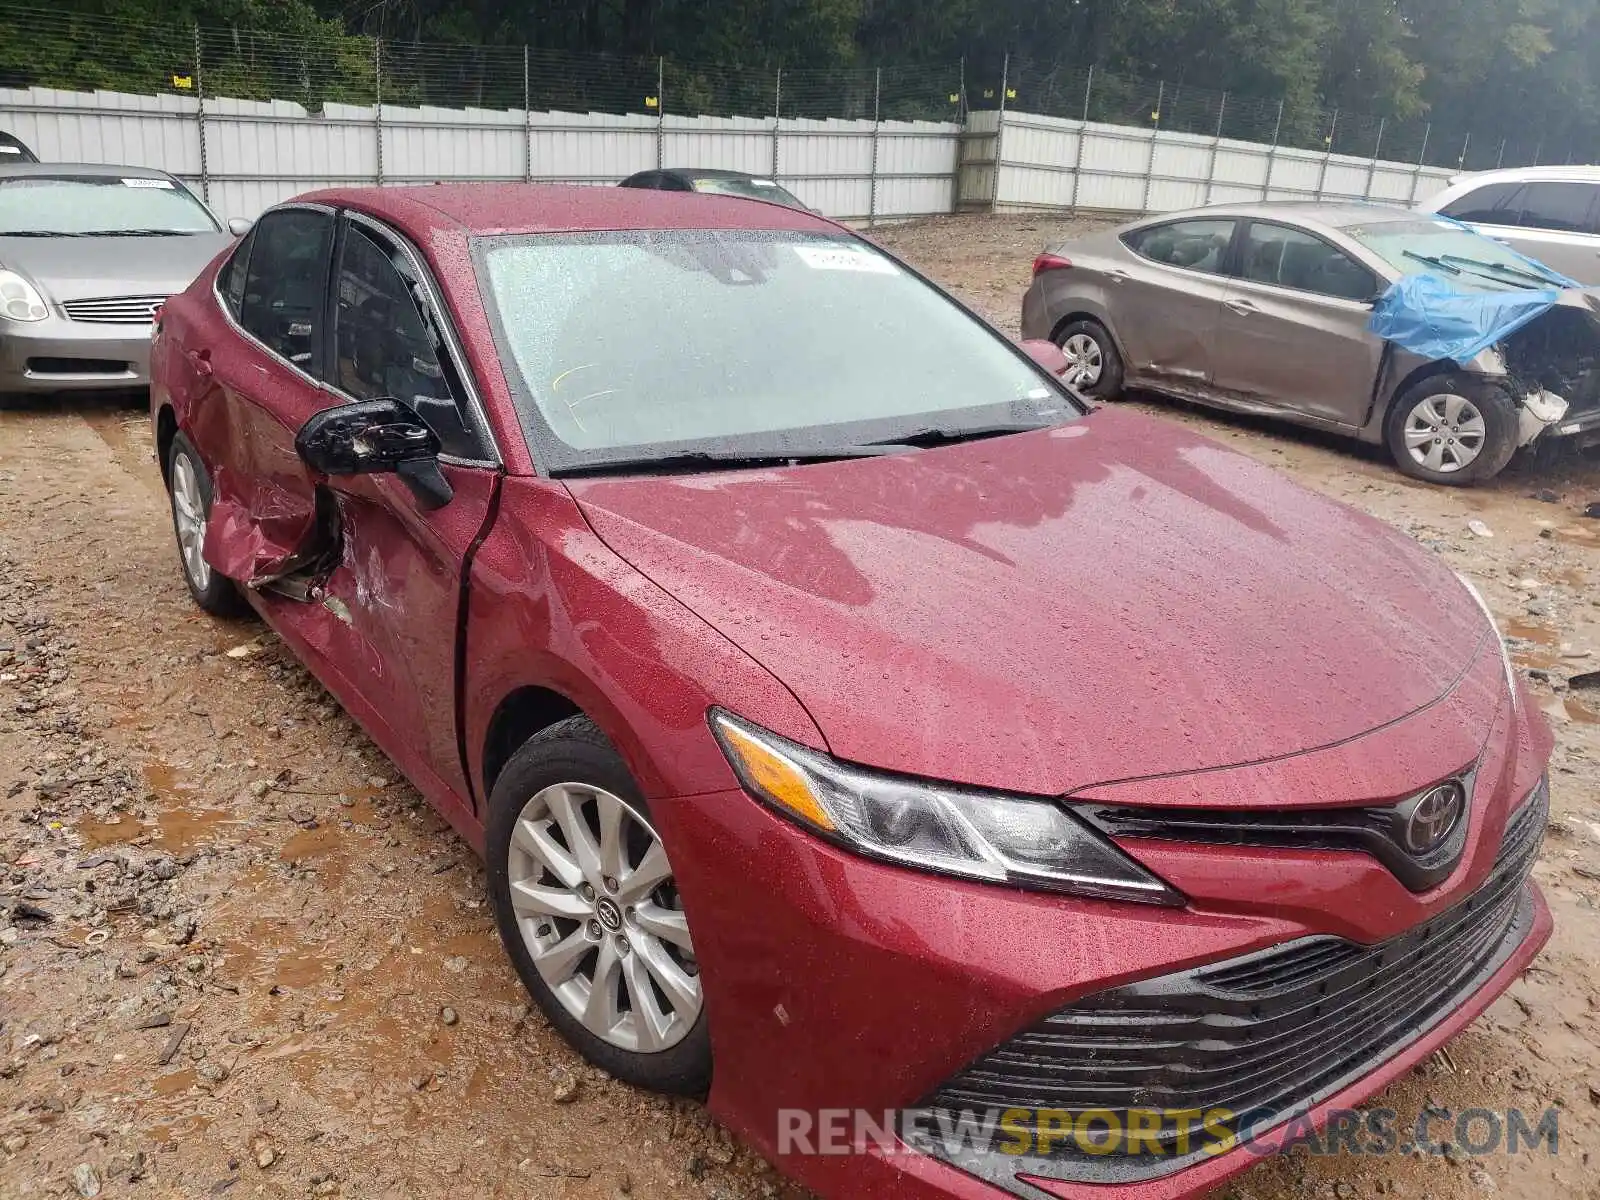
(588, 909)
(1453, 429)
(189, 491)
(1093, 365)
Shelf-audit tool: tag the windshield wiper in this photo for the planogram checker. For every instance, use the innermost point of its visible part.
(1441, 263)
(140, 233)
(695, 460)
(922, 439)
(39, 233)
(1518, 272)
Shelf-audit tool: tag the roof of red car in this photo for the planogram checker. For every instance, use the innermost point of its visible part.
(491, 208)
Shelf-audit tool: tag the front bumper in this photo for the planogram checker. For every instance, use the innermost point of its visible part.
(59, 355)
(836, 985)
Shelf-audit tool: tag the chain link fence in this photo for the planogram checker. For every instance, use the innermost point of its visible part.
(315, 63)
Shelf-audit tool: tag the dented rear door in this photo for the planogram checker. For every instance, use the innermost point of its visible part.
(251, 394)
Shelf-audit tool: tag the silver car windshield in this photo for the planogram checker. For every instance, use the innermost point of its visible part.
(83, 205)
(639, 344)
(1446, 248)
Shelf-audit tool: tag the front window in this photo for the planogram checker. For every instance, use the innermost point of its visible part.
(758, 189)
(1444, 248)
(628, 347)
(84, 205)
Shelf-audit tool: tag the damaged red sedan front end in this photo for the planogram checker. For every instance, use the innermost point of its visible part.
(972, 794)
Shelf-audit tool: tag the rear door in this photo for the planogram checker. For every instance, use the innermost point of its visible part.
(251, 392)
(1293, 327)
(1558, 227)
(1554, 221)
(1164, 295)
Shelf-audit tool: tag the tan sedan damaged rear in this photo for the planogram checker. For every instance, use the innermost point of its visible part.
(1264, 309)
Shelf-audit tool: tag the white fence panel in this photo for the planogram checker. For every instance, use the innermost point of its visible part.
(257, 153)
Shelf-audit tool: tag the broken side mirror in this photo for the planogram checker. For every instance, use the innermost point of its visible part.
(371, 437)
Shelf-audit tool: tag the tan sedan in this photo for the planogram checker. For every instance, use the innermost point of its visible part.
(1264, 309)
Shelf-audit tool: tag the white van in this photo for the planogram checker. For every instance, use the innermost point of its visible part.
(1548, 213)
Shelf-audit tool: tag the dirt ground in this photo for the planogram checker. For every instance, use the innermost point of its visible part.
(239, 957)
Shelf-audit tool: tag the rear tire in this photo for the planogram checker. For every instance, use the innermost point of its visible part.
(1453, 429)
(1094, 366)
(547, 818)
(189, 492)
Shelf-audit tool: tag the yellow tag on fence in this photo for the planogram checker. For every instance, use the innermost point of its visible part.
(652, 102)
(186, 82)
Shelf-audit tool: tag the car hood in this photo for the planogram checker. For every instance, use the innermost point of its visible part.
(1112, 599)
(86, 268)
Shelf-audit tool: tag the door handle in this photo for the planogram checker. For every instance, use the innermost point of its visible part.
(1117, 276)
(200, 362)
(1243, 307)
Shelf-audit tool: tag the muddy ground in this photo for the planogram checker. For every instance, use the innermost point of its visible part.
(238, 957)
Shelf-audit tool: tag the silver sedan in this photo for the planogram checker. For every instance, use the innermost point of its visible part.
(87, 255)
(1265, 309)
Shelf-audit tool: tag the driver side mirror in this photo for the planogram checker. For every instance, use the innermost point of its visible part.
(239, 226)
(375, 437)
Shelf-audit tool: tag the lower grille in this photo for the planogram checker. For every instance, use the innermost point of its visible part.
(115, 310)
(77, 366)
(1264, 1036)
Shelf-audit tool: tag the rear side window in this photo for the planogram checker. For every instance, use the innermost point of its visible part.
(1288, 258)
(1566, 207)
(1491, 204)
(1193, 245)
(284, 283)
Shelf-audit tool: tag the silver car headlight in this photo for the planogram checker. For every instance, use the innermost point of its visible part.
(988, 836)
(1505, 650)
(19, 299)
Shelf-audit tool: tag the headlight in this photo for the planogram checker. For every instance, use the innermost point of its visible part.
(1505, 651)
(988, 836)
(20, 300)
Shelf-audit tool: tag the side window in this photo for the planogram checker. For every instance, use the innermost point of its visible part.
(385, 347)
(1289, 258)
(284, 278)
(1194, 245)
(1567, 207)
(230, 280)
(1491, 204)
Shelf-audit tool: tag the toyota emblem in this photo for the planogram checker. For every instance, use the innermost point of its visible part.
(1427, 822)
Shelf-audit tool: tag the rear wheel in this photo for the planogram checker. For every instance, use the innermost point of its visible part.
(588, 908)
(1454, 429)
(189, 487)
(1093, 365)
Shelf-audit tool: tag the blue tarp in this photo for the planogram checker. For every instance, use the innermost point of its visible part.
(1438, 319)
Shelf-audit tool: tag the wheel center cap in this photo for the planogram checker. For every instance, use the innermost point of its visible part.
(608, 912)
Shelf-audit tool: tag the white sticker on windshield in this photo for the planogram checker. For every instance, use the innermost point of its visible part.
(844, 258)
(148, 183)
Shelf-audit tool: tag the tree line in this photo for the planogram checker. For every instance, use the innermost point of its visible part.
(1501, 68)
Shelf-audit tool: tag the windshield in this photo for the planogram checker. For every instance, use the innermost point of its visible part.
(85, 204)
(1455, 252)
(759, 189)
(628, 347)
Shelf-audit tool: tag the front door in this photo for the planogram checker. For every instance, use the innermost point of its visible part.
(1292, 330)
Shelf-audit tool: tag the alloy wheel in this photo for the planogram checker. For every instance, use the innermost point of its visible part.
(598, 909)
(1084, 360)
(189, 516)
(1445, 432)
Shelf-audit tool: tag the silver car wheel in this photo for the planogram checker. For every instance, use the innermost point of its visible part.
(1084, 361)
(189, 516)
(596, 904)
(1445, 432)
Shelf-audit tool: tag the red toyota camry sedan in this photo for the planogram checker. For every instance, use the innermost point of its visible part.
(972, 794)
